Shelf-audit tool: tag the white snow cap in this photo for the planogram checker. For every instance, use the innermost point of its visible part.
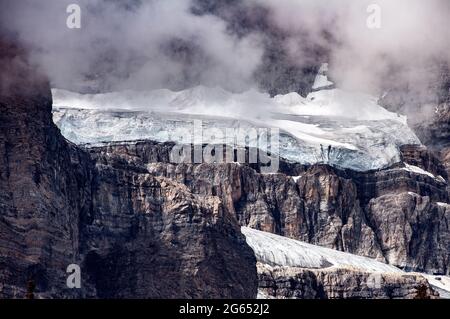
(340, 128)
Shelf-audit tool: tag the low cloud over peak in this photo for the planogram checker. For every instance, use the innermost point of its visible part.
(272, 45)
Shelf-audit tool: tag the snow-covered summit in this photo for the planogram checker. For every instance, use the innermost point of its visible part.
(345, 129)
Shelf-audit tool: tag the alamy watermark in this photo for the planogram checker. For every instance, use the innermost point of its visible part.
(199, 144)
(74, 279)
(74, 19)
(374, 19)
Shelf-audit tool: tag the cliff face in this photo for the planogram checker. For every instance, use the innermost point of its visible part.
(397, 215)
(157, 239)
(140, 226)
(40, 188)
(428, 110)
(292, 282)
(133, 234)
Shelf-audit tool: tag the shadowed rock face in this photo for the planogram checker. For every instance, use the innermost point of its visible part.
(428, 111)
(133, 234)
(394, 215)
(412, 231)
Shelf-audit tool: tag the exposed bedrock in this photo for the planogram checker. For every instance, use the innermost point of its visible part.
(336, 283)
(397, 215)
(140, 226)
(134, 235)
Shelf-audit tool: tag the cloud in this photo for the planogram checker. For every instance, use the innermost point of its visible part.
(137, 44)
(141, 45)
(413, 34)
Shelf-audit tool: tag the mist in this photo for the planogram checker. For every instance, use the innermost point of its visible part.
(141, 45)
(177, 44)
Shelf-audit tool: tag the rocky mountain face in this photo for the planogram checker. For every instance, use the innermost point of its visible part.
(428, 109)
(133, 234)
(396, 215)
(291, 282)
(434, 131)
(141, 226)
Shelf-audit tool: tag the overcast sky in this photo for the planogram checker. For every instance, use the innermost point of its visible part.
(164, 43)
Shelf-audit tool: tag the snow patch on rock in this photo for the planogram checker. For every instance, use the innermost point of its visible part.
(418, 170)
(277, 250)
(274, 250)
(441, 283)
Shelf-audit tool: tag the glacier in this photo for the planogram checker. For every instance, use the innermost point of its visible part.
(274, 250)
(332, 126)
